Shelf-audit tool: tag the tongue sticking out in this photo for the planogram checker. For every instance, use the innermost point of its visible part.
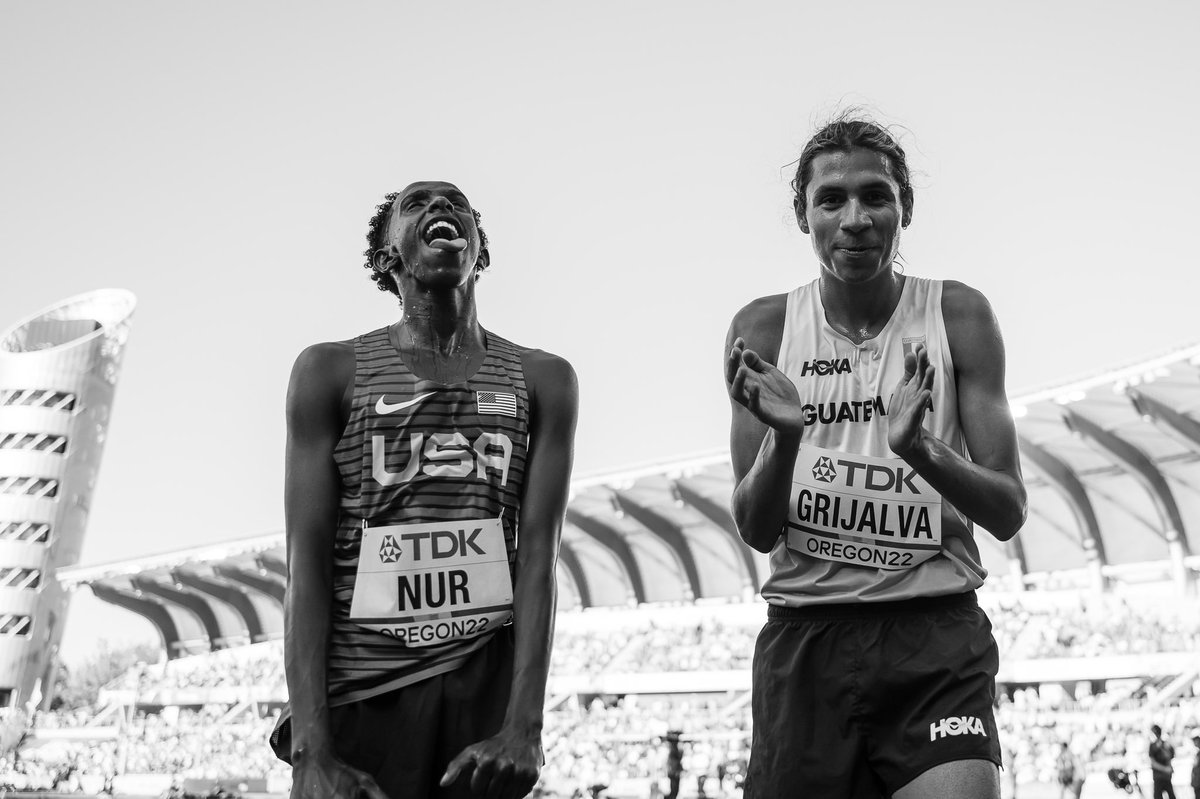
(453, 245)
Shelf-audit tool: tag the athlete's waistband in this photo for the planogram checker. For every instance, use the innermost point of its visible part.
(873, 610)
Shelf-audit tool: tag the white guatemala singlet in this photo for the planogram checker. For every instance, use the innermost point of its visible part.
(862, 525)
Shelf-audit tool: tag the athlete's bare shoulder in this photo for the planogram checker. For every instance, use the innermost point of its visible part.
(964, 305)
(328, 353)
(551, 378)
(971, 327)
(323, 376)
(760, 325)
(327, 362)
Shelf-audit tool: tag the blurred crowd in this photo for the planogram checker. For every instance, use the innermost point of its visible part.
(644, 647)
(1088, 626)
(618, 742)
(259, 666)
(1032, 733)
(200, 743)
(622, 741)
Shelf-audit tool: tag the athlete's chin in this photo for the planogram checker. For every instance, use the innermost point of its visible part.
(857, 273)
(446, 268)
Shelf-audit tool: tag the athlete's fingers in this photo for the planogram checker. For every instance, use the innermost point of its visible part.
(501, 783)
(732, 362)
(924, 401)
(731, 359)
(754, 361)
(918, 364)
(910, 366)
(734, 359)
(738, 388)
(369, 789)
(918, 379)
(485, 768)
(462, 761)
(522, 782)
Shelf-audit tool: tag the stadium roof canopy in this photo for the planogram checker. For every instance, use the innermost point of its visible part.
(1111, 462)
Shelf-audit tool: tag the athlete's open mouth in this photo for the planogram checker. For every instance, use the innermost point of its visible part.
(440, 229)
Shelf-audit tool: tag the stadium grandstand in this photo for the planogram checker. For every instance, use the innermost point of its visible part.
(1094, 605)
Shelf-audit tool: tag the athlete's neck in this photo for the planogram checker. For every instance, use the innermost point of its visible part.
(439, 336)
(860, 311)
(439, 323)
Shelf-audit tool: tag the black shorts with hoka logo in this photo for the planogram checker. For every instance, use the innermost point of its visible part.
(857, 700)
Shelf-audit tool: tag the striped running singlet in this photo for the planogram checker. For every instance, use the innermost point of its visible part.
(416, 452)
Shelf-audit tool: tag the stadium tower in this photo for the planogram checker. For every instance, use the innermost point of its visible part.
(58, 372)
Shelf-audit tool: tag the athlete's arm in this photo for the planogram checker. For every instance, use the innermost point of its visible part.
(507, 764)
(316, 412)
(988, 487)
(766, 426)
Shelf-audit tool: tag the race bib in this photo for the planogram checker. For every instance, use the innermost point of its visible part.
(862, 510)
(433, 582)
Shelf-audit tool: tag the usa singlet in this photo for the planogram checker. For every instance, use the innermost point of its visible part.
(431, 485)
(862, 524)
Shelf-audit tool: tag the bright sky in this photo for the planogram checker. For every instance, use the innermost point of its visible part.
(631, 162)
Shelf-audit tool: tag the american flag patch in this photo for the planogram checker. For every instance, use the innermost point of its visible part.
(497, 403)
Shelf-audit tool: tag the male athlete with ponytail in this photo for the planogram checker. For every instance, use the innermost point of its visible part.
(870, 434)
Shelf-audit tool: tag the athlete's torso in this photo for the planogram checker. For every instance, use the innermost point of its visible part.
(441, 460)
(845, 390)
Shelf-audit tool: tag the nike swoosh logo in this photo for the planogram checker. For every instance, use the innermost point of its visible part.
(385, 408)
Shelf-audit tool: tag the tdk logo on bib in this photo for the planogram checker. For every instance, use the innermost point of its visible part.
(823, 470)
(838, 366)
(876, 477)
(389, 550)
(956, 725)
(440, 544)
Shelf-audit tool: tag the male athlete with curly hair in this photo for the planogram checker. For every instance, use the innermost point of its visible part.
(427, 474)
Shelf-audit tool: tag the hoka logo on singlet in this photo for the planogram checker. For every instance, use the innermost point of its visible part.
(444, 455)
(839, 366)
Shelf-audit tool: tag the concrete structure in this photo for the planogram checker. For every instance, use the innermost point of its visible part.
(58, 372)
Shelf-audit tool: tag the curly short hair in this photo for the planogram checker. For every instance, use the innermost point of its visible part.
(377, 238)
(852, 129)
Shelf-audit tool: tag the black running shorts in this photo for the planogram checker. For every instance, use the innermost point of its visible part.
(856, 700)
(405, 738)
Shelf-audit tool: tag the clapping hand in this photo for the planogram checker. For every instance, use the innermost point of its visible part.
(762, 389)
(911, 399)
